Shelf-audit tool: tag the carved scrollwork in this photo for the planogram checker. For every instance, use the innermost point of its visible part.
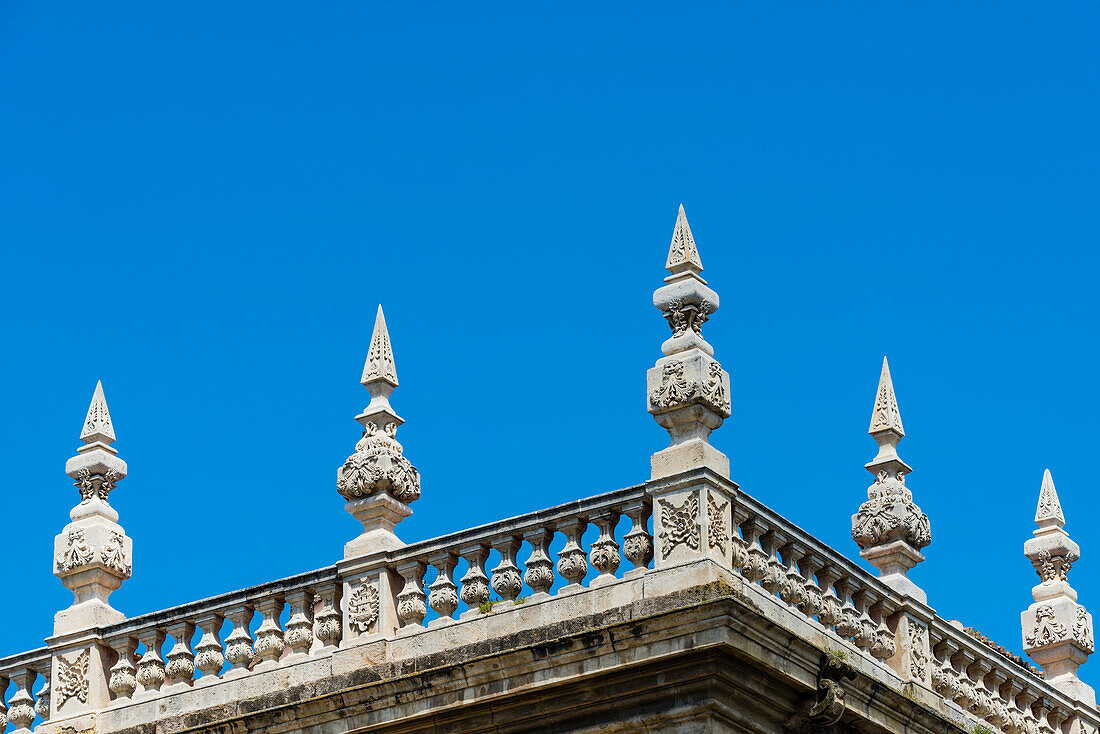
(682, 318)
(717, 537)
(379, 466)
(674, 388)
(76, 554)
(821, 712)
(113, 554)
(890, 514)
(1082, 630)
(72, 679)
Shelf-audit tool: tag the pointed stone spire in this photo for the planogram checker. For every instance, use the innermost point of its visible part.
(889, 527)
(379, 364)
(377, 481)
(689, 392)
(97, 426)
(1057, 630)
(1048, 513)
(886, 415)
(683, 257)
(92, 555)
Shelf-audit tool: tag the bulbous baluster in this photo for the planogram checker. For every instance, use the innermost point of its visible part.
(829, 613)
(208, 652)
(269, 636)
(298, 635)
(812, 599)
(775, 580)
(181, 660)
(540, 569)
(42, 699)
(507, 581)
(443, 596)
(150, 673)
(605, 551)
(21, 706)
(327, 617)
(475, 584)
(238, 645)
(572, 560)
(411, 606)
(123, 681)
(794, 592)
(638, 543)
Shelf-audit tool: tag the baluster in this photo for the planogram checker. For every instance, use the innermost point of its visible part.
(42, 706)
(411, 608)
(830, 602)
(967, 696)
(1056, 717)
(21, 706)
(475, 584)
(4, 682)
(181, 661)
(847, 627)
(327, 617)
(1043, 708)
(443, 597)
(775, 581)
(208, 653)
(810, 605)
(123, 681)
(945, 679)
(739, 547)
(540, 569)
(150, 673)
(756, 567)
(1027, 699)
(507, 581)
(638, 543)
(238, 645)
(269, 635)
(605, 551)
(795, 592)
(298, 635)
(1015, 723)
(983, 703)
(884, 645)
(999, 718)
(865, 633)
(572, 561)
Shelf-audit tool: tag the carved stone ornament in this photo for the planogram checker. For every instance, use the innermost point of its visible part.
(890, 514)
(679, 524)
(1082, 631)
(95, 485)
(918, 655)
(1052, 568)
(822, 711)
(713, 390)
(72, 679)
(674, 388)
(717, 537)
(363, 608)
(378, 466)
(113, 554)
(682, 318)
(76, 554)
(1048, 629)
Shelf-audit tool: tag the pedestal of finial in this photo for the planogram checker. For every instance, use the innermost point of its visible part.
(379, 515)
(688, 397)
(893, 562)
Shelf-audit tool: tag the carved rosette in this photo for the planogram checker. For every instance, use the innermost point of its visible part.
(379, 466)
(889, 514)
(679, 524)
(363, 606)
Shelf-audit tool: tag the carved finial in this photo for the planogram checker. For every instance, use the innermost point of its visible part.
(97, 425)
(683, 257)
(886, 416)
(377, 480)
(889, 527)
(92, 555)
(1048, 513)
(379, 364)
(689, 392)
(1057, 630)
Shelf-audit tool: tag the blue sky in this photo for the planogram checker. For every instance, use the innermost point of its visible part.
(203, 204)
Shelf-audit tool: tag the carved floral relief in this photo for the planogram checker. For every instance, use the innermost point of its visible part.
(679, 524)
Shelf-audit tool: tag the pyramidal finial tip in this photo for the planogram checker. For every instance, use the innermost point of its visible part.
(97, 424)
(380, 364)
(1049, 509)
(682, 253)
(886, 416)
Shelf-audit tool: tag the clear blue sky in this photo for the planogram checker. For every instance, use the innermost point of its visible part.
(202, 206)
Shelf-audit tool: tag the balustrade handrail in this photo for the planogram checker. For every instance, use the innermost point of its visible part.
(29, 659)
(221, 601)
(539, 518)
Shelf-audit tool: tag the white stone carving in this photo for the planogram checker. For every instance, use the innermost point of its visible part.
(1048, 629)
(72, 679)
(113, 554)
(76, 554)
(679, 524)
(363, 608)
(717, 537)
(682, 253)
